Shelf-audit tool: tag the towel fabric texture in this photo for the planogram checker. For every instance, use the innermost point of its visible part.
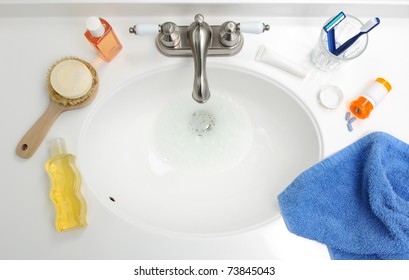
(355, 201)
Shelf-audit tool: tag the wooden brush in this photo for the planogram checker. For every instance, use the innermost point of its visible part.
(72, 84)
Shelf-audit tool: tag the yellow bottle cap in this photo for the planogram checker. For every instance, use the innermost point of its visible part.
(385, 83)
(58, 147)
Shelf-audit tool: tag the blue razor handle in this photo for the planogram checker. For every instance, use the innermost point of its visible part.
(331, 40)
(329, 29)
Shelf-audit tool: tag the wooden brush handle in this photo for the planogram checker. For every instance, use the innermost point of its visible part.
(33, 138)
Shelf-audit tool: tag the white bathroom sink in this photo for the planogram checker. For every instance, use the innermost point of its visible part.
(163, 162)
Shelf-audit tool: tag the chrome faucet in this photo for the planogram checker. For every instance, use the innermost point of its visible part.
(200, 37)
(199, 40)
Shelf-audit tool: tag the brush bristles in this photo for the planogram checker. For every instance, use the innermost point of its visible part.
(68, 101)
(370, 24)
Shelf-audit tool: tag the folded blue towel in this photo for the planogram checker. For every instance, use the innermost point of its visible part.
(355, 201)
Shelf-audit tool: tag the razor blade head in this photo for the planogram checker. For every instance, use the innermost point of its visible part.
(334, 22)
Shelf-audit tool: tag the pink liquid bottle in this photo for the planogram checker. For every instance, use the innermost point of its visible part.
(101, 35)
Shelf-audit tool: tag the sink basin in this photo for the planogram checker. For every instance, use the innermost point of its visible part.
(165, 163)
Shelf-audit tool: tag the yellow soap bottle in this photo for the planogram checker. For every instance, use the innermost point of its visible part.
(70, 205)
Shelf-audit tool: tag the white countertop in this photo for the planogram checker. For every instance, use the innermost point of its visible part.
(32, 42)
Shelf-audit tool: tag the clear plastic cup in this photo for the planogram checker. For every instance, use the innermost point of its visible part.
(323, 59)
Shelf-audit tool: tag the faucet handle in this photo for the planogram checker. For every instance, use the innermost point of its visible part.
(145, 29)
(255, 27)
(229, 34)
(169, 34)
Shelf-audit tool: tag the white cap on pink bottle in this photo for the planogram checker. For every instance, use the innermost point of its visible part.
(94, 25)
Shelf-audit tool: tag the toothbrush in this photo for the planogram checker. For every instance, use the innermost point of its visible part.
(368, 26)
(329, 29)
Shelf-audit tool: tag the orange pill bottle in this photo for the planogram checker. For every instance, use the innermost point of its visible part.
(363, 106)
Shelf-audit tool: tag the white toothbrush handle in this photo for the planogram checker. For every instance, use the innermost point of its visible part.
(254, 27)
(145, 29)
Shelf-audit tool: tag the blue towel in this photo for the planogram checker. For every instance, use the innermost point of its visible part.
(355, 201)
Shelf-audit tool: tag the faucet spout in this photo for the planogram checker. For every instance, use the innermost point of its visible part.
(200, 37)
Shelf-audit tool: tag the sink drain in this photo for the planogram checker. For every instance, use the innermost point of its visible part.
(201, 123)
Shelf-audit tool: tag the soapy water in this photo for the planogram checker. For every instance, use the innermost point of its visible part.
(214, 136)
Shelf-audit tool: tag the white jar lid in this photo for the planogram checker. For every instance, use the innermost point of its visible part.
(94, 25)
(330, 97)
